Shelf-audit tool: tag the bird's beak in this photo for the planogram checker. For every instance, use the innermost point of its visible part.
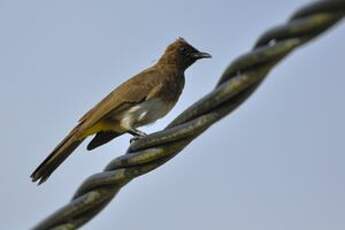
(200, 55)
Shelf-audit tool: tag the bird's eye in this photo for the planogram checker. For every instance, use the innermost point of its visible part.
(183, 50)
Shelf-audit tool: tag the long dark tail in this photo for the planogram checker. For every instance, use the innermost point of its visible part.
(59, 154)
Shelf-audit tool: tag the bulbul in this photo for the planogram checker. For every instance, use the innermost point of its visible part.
(141, 100)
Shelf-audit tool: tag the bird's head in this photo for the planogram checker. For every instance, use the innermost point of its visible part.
(181, 54)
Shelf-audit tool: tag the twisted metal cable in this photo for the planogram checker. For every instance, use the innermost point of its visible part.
(237, 83)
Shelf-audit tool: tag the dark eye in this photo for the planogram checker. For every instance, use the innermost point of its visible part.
(183, 50)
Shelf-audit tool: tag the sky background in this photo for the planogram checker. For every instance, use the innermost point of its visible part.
(275, 163)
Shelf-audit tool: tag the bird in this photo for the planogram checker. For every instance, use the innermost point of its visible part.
(141, 100)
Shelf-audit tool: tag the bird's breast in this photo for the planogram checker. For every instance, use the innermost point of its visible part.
(145, 113)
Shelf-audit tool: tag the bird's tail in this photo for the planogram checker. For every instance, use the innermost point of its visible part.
(56, 157)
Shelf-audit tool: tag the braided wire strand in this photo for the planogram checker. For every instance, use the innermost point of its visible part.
(238, 82)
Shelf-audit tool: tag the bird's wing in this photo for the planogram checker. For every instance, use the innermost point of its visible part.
(126, 95)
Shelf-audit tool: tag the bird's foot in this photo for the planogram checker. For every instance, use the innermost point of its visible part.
(137, 134)
(135, 138)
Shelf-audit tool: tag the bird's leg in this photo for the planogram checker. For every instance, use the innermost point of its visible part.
(136, 133)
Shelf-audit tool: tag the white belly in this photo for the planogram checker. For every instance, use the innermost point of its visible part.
(145, 113)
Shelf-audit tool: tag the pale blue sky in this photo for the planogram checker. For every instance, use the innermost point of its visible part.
(276, 163)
